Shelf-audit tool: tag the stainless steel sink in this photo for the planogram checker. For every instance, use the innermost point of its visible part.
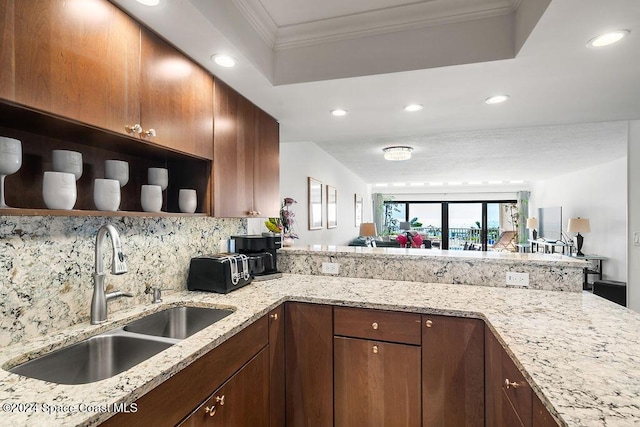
(93, 359)
(177, 322)
(113, 352)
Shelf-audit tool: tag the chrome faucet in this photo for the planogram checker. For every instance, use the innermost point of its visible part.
(118, 266)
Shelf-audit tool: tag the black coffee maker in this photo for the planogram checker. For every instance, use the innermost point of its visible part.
(261, 251)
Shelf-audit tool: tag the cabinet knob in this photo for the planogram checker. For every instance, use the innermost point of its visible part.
(150, 133)
(211, 411)
(274, 316)
(374, 325)
(134, 129)
(220, 399)
(375, 349)
(508, 383)
(428, 323)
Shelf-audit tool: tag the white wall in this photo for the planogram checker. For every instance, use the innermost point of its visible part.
(598, 193)
(633, 160)
(299, 160)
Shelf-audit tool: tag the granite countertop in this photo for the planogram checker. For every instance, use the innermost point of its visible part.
(435, 253)
(581, 352)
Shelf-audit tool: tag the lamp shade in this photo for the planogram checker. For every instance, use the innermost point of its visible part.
(532, 223)
(368, 229)
(579, 225)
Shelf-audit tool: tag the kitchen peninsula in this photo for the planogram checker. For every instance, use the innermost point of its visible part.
(552, 272)
(579, 353)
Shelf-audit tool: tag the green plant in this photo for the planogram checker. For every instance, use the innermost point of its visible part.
(414, 223)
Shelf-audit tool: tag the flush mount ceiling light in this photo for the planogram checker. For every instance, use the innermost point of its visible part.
(225, 61)
(339, 112)
(608, 39)
(413, 107)
(498, 99)
(149, 2)
(396, 154)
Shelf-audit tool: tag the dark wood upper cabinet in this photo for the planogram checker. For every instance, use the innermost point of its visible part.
(7, 70)
(78, 59)
(452, 371)
(176, 99)
(246, 180)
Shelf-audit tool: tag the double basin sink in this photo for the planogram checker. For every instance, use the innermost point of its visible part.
(113, 352)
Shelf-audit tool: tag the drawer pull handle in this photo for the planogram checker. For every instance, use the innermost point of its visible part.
(428, 323)
(374, 325)
(274, 316)
(508, 383)
(375, 349)
(212, 410)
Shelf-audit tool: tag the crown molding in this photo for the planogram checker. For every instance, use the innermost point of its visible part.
(365, 24)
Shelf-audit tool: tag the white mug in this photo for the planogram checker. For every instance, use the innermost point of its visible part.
(158, 176)
(59, 190)
(106, 194)
(187, 200)
(67, 161)
(151, 198)
(117, 169)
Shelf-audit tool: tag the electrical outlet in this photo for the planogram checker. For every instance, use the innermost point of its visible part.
(517, 279)
(330, 268)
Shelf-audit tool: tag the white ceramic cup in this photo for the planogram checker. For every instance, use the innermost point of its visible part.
(67, 161)
(158, 176)
(117, 169)
(106, 194)
(10, 161)
(59, 190)
(187, 200)
(151, 198)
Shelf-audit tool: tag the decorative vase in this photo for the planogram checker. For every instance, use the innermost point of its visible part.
(287, 241)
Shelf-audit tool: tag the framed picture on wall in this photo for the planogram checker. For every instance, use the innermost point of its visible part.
(357, 203)
(332, 207)
(315, 204)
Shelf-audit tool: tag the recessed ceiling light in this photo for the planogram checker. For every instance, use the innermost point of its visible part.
(397, 154)
(149, 2)
(454, 183)
(339, 112)
(475, 182)
(496, 99)
(435, 184)
(517, 181)
(399, 184)
(608, 39)
(495, 182)
(416, 184)
(413, 107)
(225, 61)
(382, 184)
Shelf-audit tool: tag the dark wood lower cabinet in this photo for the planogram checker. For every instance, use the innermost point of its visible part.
(541, 415)
(376, 383)
(452, 371)
(309, 365)
(240, 402)
(276, 367)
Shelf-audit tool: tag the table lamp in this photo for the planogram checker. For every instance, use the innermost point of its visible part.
(368, 230)
(532, 224)
(579, 225)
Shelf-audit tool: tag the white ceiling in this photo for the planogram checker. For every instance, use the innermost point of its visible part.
(448, 55)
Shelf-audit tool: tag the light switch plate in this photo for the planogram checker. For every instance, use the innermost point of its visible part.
(636, 238)
(330, 268)
(517, 279)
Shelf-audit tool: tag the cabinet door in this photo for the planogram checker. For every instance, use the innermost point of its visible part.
(504, 404)
(452, 371)
(78, 59)
(7, 70)
(376, 383)
(242, 401)
(309, 365)
(176, 99)
(541, 415)
(233, 157)
(276, 367)
(266, 179)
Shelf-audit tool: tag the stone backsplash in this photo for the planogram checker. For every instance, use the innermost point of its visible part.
(47, 264)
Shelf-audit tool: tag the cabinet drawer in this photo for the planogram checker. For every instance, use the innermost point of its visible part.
(377, 325)
(517, 390)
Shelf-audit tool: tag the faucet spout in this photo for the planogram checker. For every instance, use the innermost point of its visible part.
(118, 266)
